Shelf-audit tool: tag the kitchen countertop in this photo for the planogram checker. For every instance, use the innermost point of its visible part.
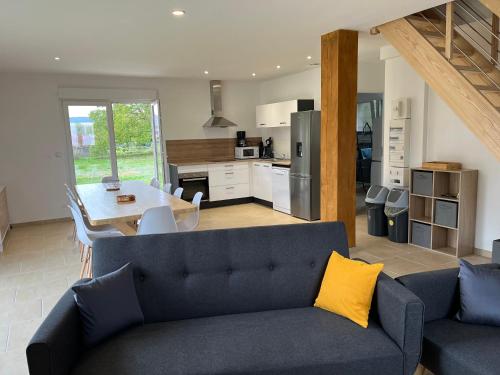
(280, 162)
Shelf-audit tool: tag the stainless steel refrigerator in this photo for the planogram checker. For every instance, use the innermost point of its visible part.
(305, 169)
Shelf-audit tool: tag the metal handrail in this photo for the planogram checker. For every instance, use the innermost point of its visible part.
(462, 52)
(478, 17)
(478, 46)
(487, 53)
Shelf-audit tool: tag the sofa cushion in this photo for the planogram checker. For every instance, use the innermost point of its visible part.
(293, 341)
(479, 294)
(108, 304)
(452, 347)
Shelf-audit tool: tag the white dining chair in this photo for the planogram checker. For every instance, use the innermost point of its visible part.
(167, 188)
(86, 237)
(108, 180)
(155, 183)
(178, 192)
(157, 220)
(191, 221)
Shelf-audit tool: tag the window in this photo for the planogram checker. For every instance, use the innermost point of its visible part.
(122, 140)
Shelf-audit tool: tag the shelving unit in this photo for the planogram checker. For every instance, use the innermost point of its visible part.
(449, 188)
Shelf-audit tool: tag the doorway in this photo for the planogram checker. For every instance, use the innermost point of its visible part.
(118, 139)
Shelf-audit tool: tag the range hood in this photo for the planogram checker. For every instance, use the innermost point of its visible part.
(217, 120)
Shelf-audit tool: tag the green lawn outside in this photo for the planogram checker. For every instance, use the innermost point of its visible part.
(131, 167)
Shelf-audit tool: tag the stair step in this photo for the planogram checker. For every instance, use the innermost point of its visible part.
(423, 25)
(459, 61)
(492, 96)
(479, 79)
(434, 34)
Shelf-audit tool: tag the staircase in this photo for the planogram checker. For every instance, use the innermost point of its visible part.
(454, 47)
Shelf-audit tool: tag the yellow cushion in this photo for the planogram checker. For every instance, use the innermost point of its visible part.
(347, 288)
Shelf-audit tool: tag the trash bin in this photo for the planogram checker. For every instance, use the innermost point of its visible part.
(396, 210)
(375, 201)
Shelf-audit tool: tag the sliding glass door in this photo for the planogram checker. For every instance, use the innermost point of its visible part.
(122, 140)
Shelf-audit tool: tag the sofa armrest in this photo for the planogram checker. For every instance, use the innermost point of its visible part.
(401, 315)
(57, 344)
(438, 290)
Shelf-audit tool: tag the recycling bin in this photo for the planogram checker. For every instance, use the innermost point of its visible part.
(375, 203)
(396, 210)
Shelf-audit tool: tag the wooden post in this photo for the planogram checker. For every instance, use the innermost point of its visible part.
(448, 45)
(494, 39)
(339, 76)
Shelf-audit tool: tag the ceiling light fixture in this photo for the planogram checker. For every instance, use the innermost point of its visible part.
(57, 58)
(278, 66)
(253, 74)
(178, 12)
(309, 57)
(206, 72)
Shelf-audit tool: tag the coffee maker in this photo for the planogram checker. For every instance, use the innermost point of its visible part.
(241, 139)
(268, 149)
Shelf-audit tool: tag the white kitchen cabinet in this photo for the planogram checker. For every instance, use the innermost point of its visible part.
(278, 114)
(262, 180)
(228, 180)
(220, 193)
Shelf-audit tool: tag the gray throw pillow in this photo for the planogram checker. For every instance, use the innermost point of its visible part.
(108, 305)
(479, 295)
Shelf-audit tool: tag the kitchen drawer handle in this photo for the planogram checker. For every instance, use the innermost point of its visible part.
(230, 188)
(229, 165)
(283, 123)
(265, 165)
(229, 172)
(262, 124)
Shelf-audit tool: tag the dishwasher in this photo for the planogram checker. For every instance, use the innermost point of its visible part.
(281, 189)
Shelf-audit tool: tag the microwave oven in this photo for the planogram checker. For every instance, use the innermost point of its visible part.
(246, 152)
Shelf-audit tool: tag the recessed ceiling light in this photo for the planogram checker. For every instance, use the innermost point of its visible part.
(206, 72)
(309, 57)
(253, 74)
(57, 58)
(178, 12)
(278, 66)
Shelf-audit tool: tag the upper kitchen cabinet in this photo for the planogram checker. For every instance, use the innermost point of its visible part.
(278, 114)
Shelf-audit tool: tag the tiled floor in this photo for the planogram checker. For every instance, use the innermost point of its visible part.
(41, 261)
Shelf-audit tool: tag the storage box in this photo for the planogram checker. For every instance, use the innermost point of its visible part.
(422, 183)
(446, 213)
(421, 234)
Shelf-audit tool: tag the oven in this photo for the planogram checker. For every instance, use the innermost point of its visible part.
(192, 183)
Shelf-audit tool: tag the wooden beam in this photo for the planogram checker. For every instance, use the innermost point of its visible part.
(480, 116)
(494, 39)
(339, 76)
(448, 44)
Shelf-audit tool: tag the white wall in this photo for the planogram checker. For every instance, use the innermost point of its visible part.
(32, 129)
(439, 134)
(307, 85)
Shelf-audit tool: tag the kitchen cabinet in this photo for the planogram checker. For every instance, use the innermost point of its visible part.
(4, 215)
(228, 181)
(262, 180)
(278, 114)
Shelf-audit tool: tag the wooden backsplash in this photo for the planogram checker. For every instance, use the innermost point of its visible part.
(204, 150)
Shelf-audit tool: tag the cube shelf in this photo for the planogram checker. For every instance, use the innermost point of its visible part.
(453, 191)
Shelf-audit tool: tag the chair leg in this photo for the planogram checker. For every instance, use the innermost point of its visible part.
(80, 245)
(89, 265)
(84, 264)
(74, 232)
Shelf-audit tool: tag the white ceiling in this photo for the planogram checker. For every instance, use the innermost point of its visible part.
(229, 38)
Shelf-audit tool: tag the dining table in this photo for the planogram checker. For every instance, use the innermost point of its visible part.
(101, 206)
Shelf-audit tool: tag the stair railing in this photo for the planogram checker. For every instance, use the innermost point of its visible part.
(451, 46)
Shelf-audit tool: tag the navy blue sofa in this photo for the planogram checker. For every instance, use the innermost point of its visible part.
(236, 301)
(449, 346)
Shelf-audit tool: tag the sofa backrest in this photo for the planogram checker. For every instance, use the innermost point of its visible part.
(207, 273)
(439, 291)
